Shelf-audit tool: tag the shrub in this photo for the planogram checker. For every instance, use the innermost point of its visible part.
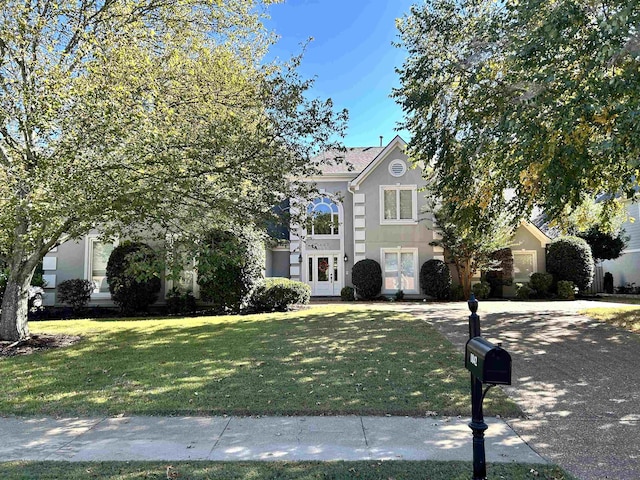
(541, 283)
(399, 296)
(279, 294)
(180, 302)
(523, 291)
(75, 292)
(481, 290)
(347, 294)
(566, 290)
(367, 279)
(608, 282)
(230, 264)
(435, 279)
(569, 258)
(503, 275)
(133, 275)
(456, 292)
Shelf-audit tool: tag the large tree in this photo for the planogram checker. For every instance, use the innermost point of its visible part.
(536, 97)
(116, 113)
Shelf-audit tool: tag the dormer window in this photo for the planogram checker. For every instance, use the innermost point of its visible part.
(323, 217)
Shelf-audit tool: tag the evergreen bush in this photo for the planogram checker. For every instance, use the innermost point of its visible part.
(566, 290)
(347, 294)
(481, 290)
(503, 274)
(435, 279)
(280, 294)
(133, 275)
(524, 291)
(230, 263)
(366, 276)
(75, 292)
(569, 258)
(608, 282)
(541, 283)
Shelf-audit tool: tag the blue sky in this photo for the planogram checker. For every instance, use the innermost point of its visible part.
(351, 57)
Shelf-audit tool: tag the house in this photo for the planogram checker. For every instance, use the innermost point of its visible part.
(626, 268)
(370, 206)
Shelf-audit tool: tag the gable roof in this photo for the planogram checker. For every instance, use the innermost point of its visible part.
(352, 161)
(396, 142)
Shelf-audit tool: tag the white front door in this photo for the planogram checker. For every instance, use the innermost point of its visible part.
(324, 274)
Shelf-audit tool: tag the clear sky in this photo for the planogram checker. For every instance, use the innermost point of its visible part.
(351, 57)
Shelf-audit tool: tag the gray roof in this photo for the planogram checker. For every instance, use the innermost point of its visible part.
(351, 161)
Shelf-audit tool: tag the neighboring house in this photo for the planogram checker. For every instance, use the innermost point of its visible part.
(370, 206)
(626, 268)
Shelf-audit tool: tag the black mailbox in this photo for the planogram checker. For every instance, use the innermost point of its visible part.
(489, 363)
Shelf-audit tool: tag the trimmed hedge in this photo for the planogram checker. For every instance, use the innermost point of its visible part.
(347, 294)
(133, 276)
(481, 290)
(569, 258)
(75, 292)
(523, 291)
(366, 276)
(280, 294)
(435, 279)
(541, 283)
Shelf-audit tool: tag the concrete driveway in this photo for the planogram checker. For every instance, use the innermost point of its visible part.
(577, 381)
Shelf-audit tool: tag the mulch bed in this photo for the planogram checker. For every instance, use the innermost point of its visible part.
(37, 343)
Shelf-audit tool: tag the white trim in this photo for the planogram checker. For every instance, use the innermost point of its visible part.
(633, 250)
(534, 253)
(339, 214)
(416, 266)
(396, 142)
(88, 266)
(49, 263)
(402, 164)
(331, 177)
(414, 205)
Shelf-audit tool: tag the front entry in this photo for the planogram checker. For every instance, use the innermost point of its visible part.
(324, 274)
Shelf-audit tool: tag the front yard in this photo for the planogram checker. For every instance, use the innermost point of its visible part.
(627, 318)
(325, 360)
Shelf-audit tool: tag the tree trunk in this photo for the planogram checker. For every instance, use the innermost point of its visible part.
(14, 324)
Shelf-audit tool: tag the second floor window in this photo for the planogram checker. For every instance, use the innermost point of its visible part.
(398, 204)
(323, 217)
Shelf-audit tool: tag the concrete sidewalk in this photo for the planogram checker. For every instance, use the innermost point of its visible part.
(255, 438)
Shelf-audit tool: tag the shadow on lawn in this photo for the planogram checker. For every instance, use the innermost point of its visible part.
(351, 362)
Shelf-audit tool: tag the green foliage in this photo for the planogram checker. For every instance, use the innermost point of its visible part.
(279, 294)
(347, 294)
(399, 296)
(435, 279)
(501, 273)
(178, 302)
(133, 276)
(457, 292)
(366, 277)
(523, 291)
(538, 97)
(605, 246)
(541, 283)
(75, 292)
(481, 290)
(566, 290)
(230, 263)
(608, 282)
(469, 237)
(569, 258)
(38, 277)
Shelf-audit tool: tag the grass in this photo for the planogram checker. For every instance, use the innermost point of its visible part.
(397, 470)
(325, 360)
(623, 317)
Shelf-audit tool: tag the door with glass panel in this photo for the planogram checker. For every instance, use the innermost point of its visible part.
(324, 274)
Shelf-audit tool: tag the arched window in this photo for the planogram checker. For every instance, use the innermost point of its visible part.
(322, 217)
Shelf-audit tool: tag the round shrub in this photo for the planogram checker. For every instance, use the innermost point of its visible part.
(608, 282)
(230, 264)
(133, 275)
(541, 283)
(366, 276)
(569, 258)
(481, 290)
(280, 294)
(435, 279)
(456, 292)
(178, 302)
(347, 294)
(566, 290)
(76, 292)
(523, 291)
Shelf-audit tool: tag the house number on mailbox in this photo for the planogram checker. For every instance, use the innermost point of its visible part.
(473, 359)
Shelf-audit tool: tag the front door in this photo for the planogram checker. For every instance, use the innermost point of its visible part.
(324, 275)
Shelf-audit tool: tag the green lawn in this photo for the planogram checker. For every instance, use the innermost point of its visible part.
(623, 317)
(397, 470)
(333, 359)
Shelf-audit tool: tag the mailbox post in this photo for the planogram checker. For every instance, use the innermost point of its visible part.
(488, 364)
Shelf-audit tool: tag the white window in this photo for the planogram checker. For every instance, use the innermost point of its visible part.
(398, 204)
(399, 270)
(323, 218)
(97, 254)
(525, 262)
